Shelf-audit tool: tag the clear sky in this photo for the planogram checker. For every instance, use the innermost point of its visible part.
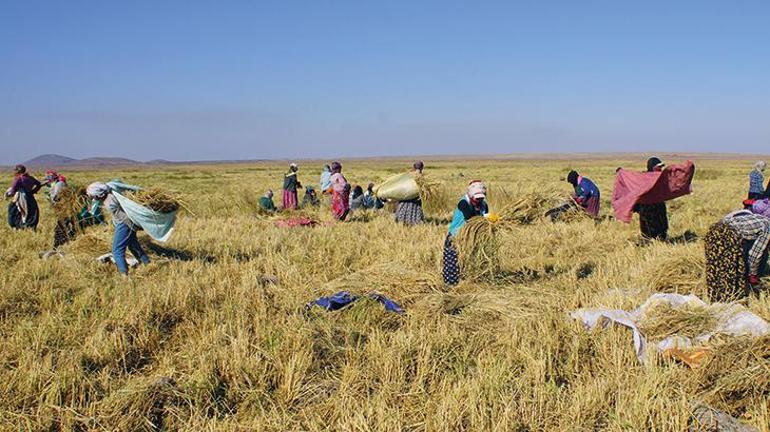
(185, 80)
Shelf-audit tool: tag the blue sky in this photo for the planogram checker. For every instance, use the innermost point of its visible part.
(242, 80)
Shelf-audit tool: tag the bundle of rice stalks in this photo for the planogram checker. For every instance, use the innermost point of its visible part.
(69, 202)
(437, 200)
(662, 321)
(736, 374)
(478, 247)
(680, 273)
(92, 242)
(573, 213)
(528, 208)
(158, 199)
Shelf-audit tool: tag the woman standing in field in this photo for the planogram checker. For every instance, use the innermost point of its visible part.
(653, 218)
(586, 193)
(290, 185)
(736, 254)
(410, 212)
(757, 181)
(125, 229)
(340, 191)
(471, 205)
(23, 211)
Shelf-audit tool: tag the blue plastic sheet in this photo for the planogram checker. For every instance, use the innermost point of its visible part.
(157, 225)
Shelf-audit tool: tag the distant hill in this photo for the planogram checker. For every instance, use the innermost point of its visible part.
(49, 160)
(58, 161)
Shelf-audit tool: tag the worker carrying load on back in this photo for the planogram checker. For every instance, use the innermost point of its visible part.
(410, 211)
(125, 229)
(646, 193)
(736, 254)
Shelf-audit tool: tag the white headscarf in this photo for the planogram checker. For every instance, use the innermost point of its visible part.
(760, 166)
(477, 189)
(97, 189)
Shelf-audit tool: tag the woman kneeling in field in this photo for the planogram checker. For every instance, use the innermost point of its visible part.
(736, 253)
(471, 205)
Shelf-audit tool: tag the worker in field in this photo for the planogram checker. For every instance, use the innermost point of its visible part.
(266, 202)
(325, 182)
(586, 193)
(757, 181)
(410, 212)
(23, 211)
(340, 192)
(125, 229)
(290, 186)
(370, 200)
(56, 182)
(736, 254)
(471, 205)
(653, 218)
(310, 199)
(357, 198)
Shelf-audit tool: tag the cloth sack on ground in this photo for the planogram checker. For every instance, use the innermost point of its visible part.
(633, 187)
(732, 319)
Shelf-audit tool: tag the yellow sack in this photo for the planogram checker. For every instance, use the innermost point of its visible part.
(400, 187)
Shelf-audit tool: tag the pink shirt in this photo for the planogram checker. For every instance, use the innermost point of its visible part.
(338, 182)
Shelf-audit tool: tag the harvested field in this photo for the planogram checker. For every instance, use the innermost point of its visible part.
(213, 334)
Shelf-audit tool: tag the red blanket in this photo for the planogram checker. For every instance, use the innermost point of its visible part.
(632, 187)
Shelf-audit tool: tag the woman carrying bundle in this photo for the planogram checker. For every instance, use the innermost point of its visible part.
(125, 229)
(757, 181)
(653, 218)
(23, 211)
(73, 213)
(56, 182)
(290, 185)
(736, 253)
(340, 191)
(410, 212)
(586, 193)
(471, 205)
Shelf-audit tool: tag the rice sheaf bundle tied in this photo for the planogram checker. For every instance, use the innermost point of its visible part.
(528, 208)
(478, 247)
(69, 202)
(160, 200)
(437, 200)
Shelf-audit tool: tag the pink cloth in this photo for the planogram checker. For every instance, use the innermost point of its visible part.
(761, 207)
(289, 200)
(632, 187)
(295, 222)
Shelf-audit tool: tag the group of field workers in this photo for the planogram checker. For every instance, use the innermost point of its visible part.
(736, 247)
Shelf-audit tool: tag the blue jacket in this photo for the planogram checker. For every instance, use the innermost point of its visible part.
(465, 211)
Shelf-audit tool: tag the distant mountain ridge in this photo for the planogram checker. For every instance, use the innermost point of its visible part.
(57, 161)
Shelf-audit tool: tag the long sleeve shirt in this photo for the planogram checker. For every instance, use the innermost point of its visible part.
(586, 189)
(751, 227)
(338, 182)
(290, 182)
(118, 214)
(464, 212)
(24, 182)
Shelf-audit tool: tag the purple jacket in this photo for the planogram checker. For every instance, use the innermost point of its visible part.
(24, 182)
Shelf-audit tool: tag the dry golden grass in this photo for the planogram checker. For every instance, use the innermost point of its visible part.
(213, 335)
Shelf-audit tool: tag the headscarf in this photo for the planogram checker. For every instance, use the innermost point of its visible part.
(419, 165)
(760, 166)
(654, 162)
(370, 188)
(269, 193)
(293, 166)
(19, 169)
(572, 178)
(477, 190)
(336, 167)
(97, 189)
(327, 168)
